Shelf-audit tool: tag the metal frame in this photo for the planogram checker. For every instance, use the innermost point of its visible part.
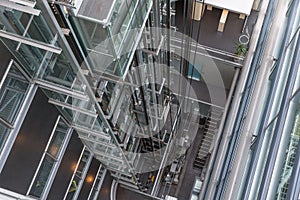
(25, 2)
(20, 117)
(216, 182)
(6, 123)
(7, 194)
(55, 167)
(76, 109)
(97, 187)
(294, 189)
(31, 42)
(60, 89)
(288, 91)
(83, 174)
(17, 125)
(27, 7)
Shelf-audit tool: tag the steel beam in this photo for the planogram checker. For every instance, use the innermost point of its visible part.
(29, 41)
(26, 7)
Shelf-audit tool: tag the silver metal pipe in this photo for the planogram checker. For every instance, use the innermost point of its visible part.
(223, 146)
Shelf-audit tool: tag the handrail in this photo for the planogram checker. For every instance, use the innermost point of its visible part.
(113, 190)
(10, 195)
(211, 49)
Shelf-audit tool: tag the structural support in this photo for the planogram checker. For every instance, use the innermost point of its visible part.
(29, 41)
(71, 107)
(59, 89)
(294, 189)
(282, 113)
(6, 123)
(223, 20)
(26, 7)
(18, 123)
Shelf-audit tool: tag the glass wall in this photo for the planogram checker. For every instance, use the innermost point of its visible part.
(274, 163)
(293, 135)
(110, 46)
(13, 90)
(29, 26)
(50, 159)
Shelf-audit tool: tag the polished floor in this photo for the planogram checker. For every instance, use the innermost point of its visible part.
(65, 171)
(105, 189)
(29, 145)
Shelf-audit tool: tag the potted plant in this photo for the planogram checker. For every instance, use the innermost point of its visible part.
(240, 49)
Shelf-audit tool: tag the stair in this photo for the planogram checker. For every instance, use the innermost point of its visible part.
(210, 128)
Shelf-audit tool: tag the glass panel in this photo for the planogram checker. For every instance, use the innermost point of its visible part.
(33, 27)
(3, 135)
(29, 56)
(57, 140)
(38, 28)
(12, 94)
(60, 71)
(193, 72)
(50, 160)
(42, 177)
(103, 44)
(293, 120)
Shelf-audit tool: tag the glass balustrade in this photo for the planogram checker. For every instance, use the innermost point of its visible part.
(13, 90)
(50, 159)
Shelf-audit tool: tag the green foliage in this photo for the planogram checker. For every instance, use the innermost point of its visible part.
(240, 49)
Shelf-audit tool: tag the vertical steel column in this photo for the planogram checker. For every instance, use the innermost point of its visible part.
(294, 189)
(218, 180)
(284, 104)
